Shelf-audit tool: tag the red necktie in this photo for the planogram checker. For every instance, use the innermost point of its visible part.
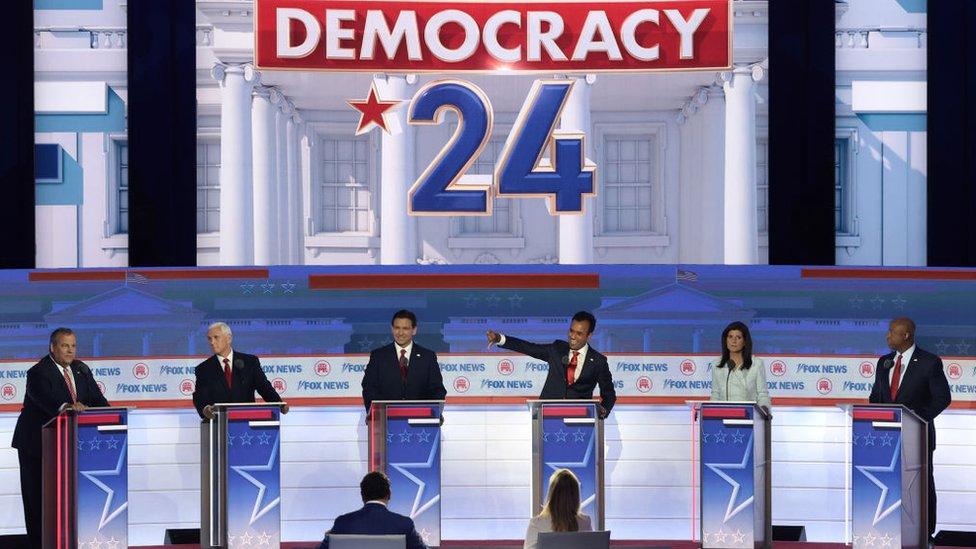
(403, 365)
(228, 373)
(895, 378)
(571, 369)
(71, 386)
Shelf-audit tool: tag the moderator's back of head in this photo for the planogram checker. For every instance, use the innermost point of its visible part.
(574, 540)
(351, 541)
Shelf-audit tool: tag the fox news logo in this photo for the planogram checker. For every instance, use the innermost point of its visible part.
(644, 384)
(279, 385)
(688, 367)
(8, 391)
(140, 371)
(777, 368)
(866, 368)
(322, 368)
(954, 371)
(824, 386)
(461, 385)
(506, 367)
(186, 387)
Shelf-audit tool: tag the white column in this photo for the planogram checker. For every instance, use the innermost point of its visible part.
(236, 210)
(281, 188)
(711, 214)
(398, 230)
(294, 189)
(576, 230)
(264, 143)
(741, 232)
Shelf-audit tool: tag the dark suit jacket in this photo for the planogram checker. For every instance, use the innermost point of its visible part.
(382, 378)
(211, 385)
(595, 371)
(923, 387)
(46, 392)
(375, 519)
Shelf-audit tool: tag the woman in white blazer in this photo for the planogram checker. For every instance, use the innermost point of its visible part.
(737, 375)
(561, 512)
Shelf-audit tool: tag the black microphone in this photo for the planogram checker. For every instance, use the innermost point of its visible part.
(727, 376)
(83, 368)
(565, 360)
(887, 364)
(238, 363)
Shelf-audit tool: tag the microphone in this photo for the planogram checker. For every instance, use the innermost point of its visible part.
(238, 363)
(727, 376)
(83, 368)
(887, 364)
(565, 360)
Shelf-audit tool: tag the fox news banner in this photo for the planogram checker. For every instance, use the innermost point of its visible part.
(826, 377)
(499, 38)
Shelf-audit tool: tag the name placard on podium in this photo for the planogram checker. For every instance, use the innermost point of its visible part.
(889, 477)
(568, 434)
(240, 488)
(86, 479)
(405, 443)
(734, 443)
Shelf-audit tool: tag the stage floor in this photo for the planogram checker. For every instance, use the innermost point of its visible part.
(517, 544)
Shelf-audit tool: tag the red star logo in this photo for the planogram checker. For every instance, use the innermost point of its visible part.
(372, 111)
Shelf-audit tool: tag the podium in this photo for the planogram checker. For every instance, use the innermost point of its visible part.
(568, 434)
(85, 493)
(405, 443)
(889, 476)
(240, 476)
(734, 444)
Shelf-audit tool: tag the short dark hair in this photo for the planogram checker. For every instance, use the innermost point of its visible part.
(374, 486)
(58, 332)
(586, 316)
(403, 313)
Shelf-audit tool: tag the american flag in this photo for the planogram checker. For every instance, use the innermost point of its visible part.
(132, 276)
(688, 276)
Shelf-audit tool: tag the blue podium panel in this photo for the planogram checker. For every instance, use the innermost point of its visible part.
(405, 443)
(734, 468)
(569, 435)
(103, 479)
(888, 478)
(253, 477)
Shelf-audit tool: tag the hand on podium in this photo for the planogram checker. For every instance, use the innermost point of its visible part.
(79, 407)
(493, 338)
(208, 412)
(601, 411)
(284, 407)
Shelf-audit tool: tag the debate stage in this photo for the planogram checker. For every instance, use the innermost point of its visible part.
(517, 544)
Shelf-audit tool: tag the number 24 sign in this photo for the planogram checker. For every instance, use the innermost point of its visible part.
(536, 160)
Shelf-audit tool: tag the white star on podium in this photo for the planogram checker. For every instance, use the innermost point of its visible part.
(109, 493)
(258, 511)
(246, 538)
(731, 509)
(867, 470)
(417, 507)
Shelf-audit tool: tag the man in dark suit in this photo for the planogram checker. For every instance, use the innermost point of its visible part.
(913, 377)
(374, 519)
(229, 375)
(575, 368)
(402, 370)
(56, 379)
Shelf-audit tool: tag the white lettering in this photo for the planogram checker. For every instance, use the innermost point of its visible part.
(628, 35)
(596, 22)
(283, 18)
(432, 35)
(334, 34)
(405, 28)
(687, 29)
(536, 39)
(490, 36)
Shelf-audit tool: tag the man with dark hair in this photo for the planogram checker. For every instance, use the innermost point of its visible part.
(402, 370)
(374, 519)
(575, 368)
(913, 377)
(57, 379)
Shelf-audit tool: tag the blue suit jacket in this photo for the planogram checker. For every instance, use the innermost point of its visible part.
(382, 381)
(376, 520)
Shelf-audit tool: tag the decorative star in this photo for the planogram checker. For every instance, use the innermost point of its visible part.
(886, 439)
(245, 471)
(425, 533)
(246, 538)
(886, 540)
(246, 438)
(868, 439)
(493, 301)
(268, 287)
(705, 536)
(868, 471)
(365, 344)
(94, 543)
(247, 288)
(579, 436)
(738, 437)
(856, 301)
(112, 543)
(230, 540)
(95, 443)
(869, 539)
(405, 436)
(110, 474)
(899, 302)
(112, 443)
(372, 111)
(515, 301)
(877, 301)
(561, 436)
(470, 301)
(720, 536)
(962, 347)
(264, 438)
(81, 444)
(230, 439)
(854, 438)
(389, 438)
(942, 346)
(718, 468)
(705, 436)
(721, 437)
(288, 287)
(545, 437)
(423, 436)
(419, 506)
(738, 537)
(265, 538)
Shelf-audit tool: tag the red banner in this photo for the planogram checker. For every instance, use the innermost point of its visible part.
(391, 36)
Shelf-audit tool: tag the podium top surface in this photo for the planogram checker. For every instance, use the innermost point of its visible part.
(849, 408)
(718, 403)
(571, 402)
(407, 402)
(66, 408)
(246, 404)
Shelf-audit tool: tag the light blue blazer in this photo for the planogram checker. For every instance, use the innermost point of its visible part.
(740, 385)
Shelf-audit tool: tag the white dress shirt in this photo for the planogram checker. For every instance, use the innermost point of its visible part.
(906, 357)
(408, 349)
